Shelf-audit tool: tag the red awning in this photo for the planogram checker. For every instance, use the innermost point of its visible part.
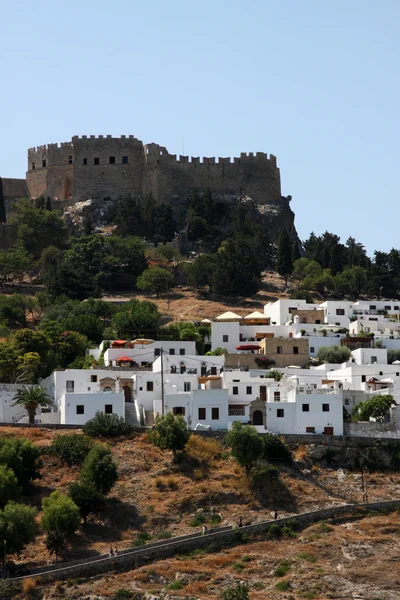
(124, 359)
(118, 343)
(248, 347)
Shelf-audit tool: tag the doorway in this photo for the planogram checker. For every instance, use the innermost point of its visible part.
(258, 418)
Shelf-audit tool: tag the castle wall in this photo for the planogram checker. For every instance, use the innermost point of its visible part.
(166, 176)
(116, 179)
(95, 167)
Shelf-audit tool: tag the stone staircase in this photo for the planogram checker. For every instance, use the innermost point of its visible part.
(130, 414)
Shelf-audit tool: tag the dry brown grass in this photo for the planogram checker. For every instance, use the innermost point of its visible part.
(28, 587)
(203, 449)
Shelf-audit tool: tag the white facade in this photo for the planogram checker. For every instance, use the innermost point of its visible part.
(207, 407)
(147, 353)
(369, 356)
(77, 409)
(10, 413)
(280, 312)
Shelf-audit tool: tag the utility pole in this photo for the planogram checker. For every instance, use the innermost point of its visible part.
(211, 511)
(365, 484)
(162, 381)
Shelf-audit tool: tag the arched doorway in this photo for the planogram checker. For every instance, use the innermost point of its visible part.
(127, 393)
(258, 418)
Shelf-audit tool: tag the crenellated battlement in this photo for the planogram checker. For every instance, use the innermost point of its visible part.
(91, 166)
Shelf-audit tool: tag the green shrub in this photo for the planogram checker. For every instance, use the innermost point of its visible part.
(105, 425)
(282, 569)
(202, 517)
(263, 478)
(99, 470)
(308, 557)
(283, 586)
(239, 592)
(20, 455)
(123, 594)
(274, 530)
(275, 449)
(163, 534)
(288, 533)
(175, 585)
(71, 449)
(141, 539)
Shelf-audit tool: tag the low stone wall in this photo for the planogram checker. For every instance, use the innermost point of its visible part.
(227, 536)
(371, 429)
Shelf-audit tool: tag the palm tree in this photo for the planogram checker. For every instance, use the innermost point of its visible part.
(30, 398)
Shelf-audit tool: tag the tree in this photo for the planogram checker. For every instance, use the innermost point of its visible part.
(60, 518)
(103, 425)
(17, 527)
(20, 455)
(2, 204)
(37, 227)
(245, 444)
(71, 449)
(99, 470)
(171, 433)
(295, 252)
(376, 408)
(9, 488)
(31, 398)
(333, 354)
(284, 263)
(237, 268)
(87, 498)
(155, 280)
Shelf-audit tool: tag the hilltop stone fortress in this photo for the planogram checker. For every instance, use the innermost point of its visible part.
(108, 167)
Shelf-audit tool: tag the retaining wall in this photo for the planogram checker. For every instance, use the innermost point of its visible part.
(223, 536)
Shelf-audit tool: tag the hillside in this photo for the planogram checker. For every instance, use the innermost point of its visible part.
(184, 303)
(160, 498)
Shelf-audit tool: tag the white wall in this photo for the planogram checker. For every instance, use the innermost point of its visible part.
(9, 413)
(92, 403)
(367, 356)
(210, 399)
(219, 330)
(190, 362)
(173, 383)
(146, 354)
(316, 417)
(279, 313)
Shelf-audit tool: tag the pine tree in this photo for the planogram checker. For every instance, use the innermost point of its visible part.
(284, 258)
(295, 252)
(2, 205)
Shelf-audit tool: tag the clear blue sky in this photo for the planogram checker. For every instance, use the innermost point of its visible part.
(315, 82)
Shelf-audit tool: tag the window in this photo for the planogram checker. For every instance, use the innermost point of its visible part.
(124, 160)
(44, 163)
(225, 338)
(395, 307)
(340, 311)
(325, 408)
(310, 429)
(280, 413)
(380, 372)
(295, 349)
(70, 386)
(318, 321)
(235, 390)
(202, 414)
(33, 166)
(70, 160)
(178, 410)
(182, 351)
(374, 359)
(279, 350)
(96, 161)
(108, 409)
(249, 390)
(186, 386)
(107, 390)
(112, 160)
(215, 413)
(157, 351)
(277, 396)
(372, 307)
(312, 350)
(397, 374)
(172, 351)
(347, 402)
(85, 161)
(291, 309)
(388, 308)
(149, 386)
(305, 407)
(93, 378)
(363, 378)
(80, 409)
